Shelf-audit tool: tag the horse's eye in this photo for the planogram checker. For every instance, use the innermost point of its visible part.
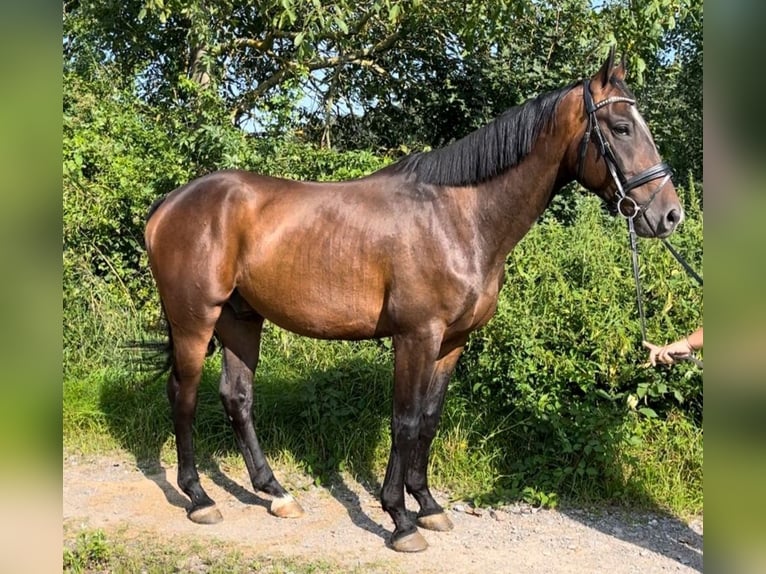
(621, 130)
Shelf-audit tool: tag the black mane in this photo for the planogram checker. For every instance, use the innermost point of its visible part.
(488, 151)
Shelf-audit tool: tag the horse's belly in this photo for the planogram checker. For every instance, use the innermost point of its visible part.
(312, 307)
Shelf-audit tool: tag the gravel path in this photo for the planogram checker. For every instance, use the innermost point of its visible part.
(344, 524)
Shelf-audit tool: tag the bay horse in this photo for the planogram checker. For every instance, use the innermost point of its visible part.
(414, 251)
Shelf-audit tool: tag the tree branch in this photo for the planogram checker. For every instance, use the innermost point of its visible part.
(363, 58)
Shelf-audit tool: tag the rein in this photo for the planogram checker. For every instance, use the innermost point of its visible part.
(624, 187)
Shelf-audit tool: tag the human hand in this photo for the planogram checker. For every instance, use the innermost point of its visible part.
(668, 354)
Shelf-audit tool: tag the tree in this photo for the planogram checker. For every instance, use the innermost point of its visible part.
(248, 52)
(388, 73)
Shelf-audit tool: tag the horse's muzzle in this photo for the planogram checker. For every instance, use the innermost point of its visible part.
(659, 221)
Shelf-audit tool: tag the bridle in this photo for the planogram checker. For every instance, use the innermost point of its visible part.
(622, 202)
(624, 186)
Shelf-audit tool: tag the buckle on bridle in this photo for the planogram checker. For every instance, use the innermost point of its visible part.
(635, 209)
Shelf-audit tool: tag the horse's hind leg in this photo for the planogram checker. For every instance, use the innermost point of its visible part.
(241, 339)
(189, 350)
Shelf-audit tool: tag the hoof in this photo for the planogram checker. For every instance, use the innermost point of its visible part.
(206, 515)
(286, 507)
(439, 522)
(411, 543)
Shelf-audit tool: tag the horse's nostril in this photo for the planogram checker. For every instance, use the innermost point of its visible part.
(674, 216)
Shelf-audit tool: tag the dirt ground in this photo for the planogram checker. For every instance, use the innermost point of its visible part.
(345, 525)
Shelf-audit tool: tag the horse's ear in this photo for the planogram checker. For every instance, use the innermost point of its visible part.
(606, 69)
(619, 72)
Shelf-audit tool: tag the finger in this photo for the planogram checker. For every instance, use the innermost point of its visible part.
(667, 358)
(648, 345)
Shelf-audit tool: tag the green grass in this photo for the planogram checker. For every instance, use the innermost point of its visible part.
(94, 550)
(662, 465)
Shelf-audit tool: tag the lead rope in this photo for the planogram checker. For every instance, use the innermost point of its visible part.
(639, 291)
(690, 357)
(683, 262)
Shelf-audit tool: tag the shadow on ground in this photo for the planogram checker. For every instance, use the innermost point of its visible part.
(651, 530)
(324, 419)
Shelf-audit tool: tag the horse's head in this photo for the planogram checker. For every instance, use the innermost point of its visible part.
(617, 158)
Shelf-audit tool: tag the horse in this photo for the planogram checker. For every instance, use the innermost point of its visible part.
(414, 251)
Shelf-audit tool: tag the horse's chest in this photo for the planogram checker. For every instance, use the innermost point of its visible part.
(484, 309)
(480, 308)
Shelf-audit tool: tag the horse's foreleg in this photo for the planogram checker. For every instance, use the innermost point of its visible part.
(431, 515)
(415, 360)
(241, 341)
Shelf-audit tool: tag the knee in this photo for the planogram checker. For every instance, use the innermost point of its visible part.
(405, 428)
(429, 425)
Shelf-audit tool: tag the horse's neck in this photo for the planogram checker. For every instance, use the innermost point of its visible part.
(510, 203)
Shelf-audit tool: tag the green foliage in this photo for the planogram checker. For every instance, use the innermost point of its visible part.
(90, 551)
(382, 73)
(662, 460)
(325, 389)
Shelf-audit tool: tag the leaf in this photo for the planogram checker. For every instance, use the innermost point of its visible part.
(393, 14)
(298, 40)
(604, 394)
(647, 412)
(341, 24)
(640, 64)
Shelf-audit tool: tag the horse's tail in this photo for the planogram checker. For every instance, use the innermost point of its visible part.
(165, 350)
(156, 357)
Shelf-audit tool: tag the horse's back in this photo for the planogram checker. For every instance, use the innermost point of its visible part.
(307, 256)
